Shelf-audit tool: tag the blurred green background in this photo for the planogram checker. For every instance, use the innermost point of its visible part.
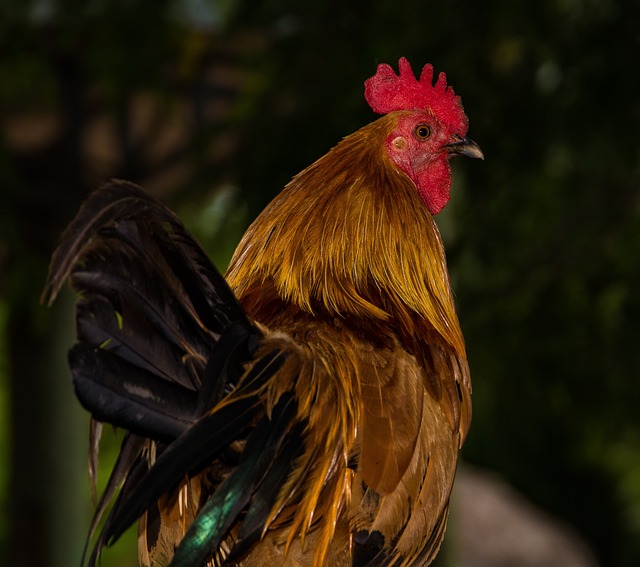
(214, 104)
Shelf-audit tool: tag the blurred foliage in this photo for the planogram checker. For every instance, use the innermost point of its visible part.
(215, 105)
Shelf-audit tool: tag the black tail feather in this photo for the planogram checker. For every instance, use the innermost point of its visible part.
(198, 446)
(187, 454)
(225, 366)
(130, 397)
(264, 499)
(152, 313)
(100, 326)
(130, 452)
(166, 352)
(223, 508)
(148, 226)
(134, 475)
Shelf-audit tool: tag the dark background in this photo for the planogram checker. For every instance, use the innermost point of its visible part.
(214, 105)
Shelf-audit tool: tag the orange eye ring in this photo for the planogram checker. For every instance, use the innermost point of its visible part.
(422, 131)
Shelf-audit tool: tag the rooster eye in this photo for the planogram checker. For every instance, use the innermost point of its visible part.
(422, 131)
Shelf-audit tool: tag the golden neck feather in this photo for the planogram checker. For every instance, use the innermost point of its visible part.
(350, 236)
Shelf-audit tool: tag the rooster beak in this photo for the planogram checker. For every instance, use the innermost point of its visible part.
(464, 147)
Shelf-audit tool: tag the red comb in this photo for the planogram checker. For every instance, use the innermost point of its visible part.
(386, 92)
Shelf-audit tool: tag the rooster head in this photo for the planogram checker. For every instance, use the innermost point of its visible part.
(430, 127)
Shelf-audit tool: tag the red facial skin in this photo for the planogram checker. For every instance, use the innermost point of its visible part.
(424, 159)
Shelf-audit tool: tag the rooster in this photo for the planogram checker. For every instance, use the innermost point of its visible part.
(308, 408)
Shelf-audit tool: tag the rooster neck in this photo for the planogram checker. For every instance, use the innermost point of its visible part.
(349, 238)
